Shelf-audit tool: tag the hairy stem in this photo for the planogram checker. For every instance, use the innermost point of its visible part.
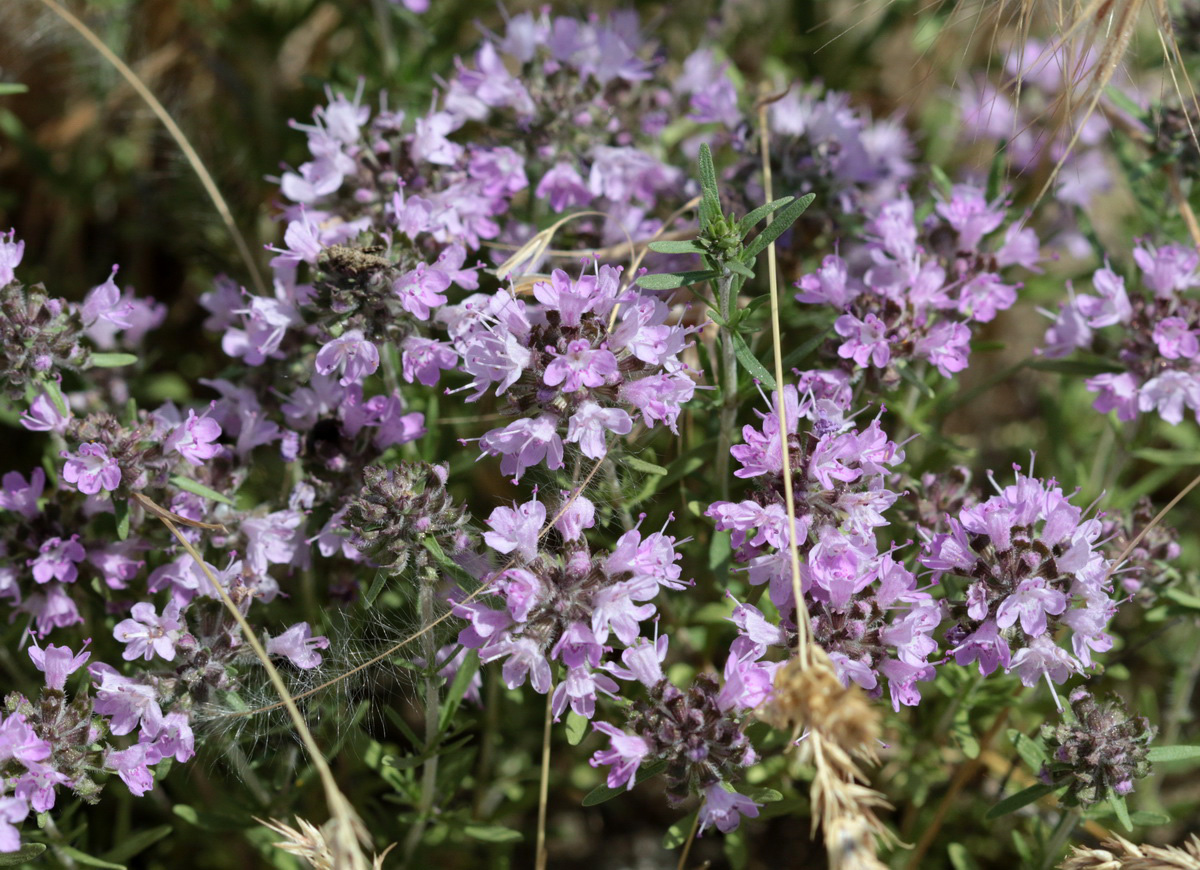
(729, 384)
(432, 705)
(544, 785)
(687, 846)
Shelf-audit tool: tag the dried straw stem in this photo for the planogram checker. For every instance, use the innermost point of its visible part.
(1120, 854)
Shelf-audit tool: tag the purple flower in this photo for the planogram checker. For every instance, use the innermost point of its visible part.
(11, 252)
(1175, 339)
(1117, 393)
(104, 303)
(969, 213)
(424, 358)
(147, 634)
(91, 469)
(421, 289)
(56, 560)
(1169, 269)
(19, 741)
(588, 426)
(580, 366)
(58, 663)
(43, 416)
(298, 645)
(351, 356)
(866, 340)
(524, 443)
(725, 808)
(516, 530)
(624, 755)
(12, 809)
(125, 701)
(131, 765)
(17, 495)
(564, 187)
(192, 439)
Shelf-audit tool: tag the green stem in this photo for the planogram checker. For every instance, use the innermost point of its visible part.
(432, 706)
(1062, 832)
(729, 386)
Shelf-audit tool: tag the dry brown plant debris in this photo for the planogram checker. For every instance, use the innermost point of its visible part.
(1118, 853)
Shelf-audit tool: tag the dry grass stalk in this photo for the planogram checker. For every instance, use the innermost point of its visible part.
(1120, 854)
(842, 727)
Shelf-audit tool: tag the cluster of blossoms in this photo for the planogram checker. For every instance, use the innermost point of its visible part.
(911, 291)
(865, 608)
(561, 603)
(1100, 751)
(1155, 342)
(1032, 125)
(1032, 566)
(576, 360)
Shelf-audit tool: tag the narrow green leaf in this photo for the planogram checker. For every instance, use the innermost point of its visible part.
(688, 246)
(194, 486)
(778, 227)
(26, 853)
(602, 793)
(1030, 751)
(1160, 754)
(458, 688)
(1123, 101)
(739, 268)
(1012, 803)
(1080, 367)
(750, 362)
(1147, 819)
(747, 223)
(121, 509)
(88, 860)
(1184, 599)
(960, 857)
(112, 360)
(451, 567)
(54, 391)
(639, 464)
(942, 179)
(376, 586)
(137, 843)
(7, 89)
(715, 317)
(1117, 802)
(577, 728)
(710, 202)
(674, 280)
(493, 834)
(996, 173)
(762, 795)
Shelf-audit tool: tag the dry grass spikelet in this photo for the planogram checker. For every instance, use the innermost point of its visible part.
(1120, 854)
(840, 724)
(309, 843)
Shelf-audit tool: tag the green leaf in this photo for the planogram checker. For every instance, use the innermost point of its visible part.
(739, 268)
(677, 834)
(1117, 802)
(674, 280)
(960, 857)
(687, 246)
(54, 391)
(577, 728)
(493, 834)
(376, 586)
(963, 733)
(121, 511)
(1184, 599)
(1012, 803)
(137, 843)
(715, 317)
(451, 567)
(1122, 101)
(710, 202)
(27, 852)
(1030, 751)
(1147, 819)
(458, 688)
(1081, 367)
(747, 223)
(1161, 754)
(761, 795)
(7, 89)
(942, 179)
(88, 860)
(602, 793)
(996, 173)
(639, 464)
(750, 362)
(112, 360)
(194, 486)
(777, 227)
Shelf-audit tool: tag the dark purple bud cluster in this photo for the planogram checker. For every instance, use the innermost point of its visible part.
(1101, 751)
